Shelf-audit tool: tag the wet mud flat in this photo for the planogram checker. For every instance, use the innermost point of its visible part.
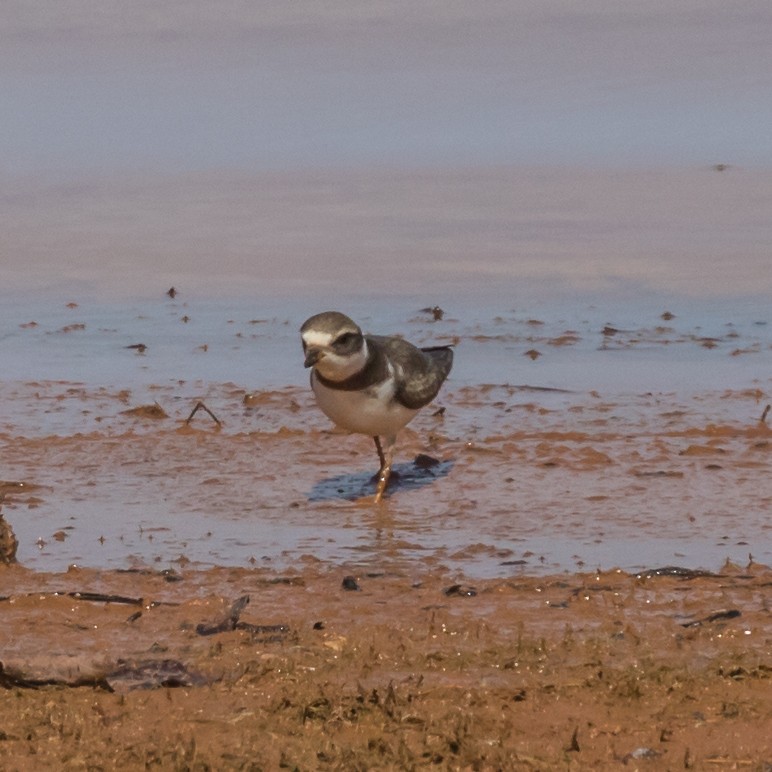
(327, 667)
(224, 595)
(494, 480)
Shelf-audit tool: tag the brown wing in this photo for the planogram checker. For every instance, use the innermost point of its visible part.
(428, 368)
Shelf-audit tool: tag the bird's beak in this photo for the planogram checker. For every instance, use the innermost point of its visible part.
(313, 355)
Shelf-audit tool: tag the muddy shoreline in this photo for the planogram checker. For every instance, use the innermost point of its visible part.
(226, 596)
(325, 668)
(235, 601)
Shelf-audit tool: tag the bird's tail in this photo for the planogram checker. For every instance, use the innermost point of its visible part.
(442, 357)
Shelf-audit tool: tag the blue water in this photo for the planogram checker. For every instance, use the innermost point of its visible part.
(132, 492)
(253, 342)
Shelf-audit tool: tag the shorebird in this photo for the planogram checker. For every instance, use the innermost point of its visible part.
(370, 384)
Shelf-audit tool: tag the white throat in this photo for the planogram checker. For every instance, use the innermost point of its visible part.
(335, 367)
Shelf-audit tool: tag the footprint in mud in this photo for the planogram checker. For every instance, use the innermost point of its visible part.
(419, 473)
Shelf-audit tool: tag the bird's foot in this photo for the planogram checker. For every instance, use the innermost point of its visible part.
(384, 476)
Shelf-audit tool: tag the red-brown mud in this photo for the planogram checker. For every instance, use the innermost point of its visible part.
(236, 601)
(387, 651)
(109, 670)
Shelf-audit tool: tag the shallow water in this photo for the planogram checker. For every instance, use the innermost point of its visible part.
(592, 342)
(630, 440)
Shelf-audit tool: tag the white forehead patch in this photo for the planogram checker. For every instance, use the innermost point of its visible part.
(317, 338)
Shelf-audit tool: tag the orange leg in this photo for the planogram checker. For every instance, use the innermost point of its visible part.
(385, 471)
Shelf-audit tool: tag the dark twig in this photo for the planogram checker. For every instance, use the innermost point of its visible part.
(718, 616)
(98, 597)
(231, 621)
(201, 406)
(228, 622)
(764, 415)
(101, 597)
(124, 676)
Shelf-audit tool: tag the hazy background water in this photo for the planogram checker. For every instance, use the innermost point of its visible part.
(518, 149)
(177, 85)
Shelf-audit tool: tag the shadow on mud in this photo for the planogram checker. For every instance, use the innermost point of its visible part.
(421, 472)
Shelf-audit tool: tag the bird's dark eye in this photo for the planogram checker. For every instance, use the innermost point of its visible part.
(344, 340)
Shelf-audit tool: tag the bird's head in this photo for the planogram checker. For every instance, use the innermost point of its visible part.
(333, 345)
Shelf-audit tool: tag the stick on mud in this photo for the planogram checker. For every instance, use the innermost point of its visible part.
(201, 406)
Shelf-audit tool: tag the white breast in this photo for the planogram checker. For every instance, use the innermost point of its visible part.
(372, 411)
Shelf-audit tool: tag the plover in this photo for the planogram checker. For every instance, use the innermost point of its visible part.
(370, 384)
